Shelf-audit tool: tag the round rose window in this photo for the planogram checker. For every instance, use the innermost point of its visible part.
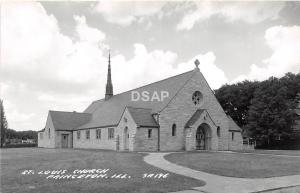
(197, 97)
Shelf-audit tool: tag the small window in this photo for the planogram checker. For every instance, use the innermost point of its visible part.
(41, 135)
(149, 133)
(232, 136)
(218, 131)
(49, 133)
(78, 134)
(87, 134)
(110, 133)
(197, 98)
(98, 134)
(174, 130)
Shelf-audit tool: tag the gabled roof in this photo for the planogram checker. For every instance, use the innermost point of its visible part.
(68, 120)
(42, 130)
(94, 105)
(194, 118)
(232, 125)
(109, 112)
(142, 117)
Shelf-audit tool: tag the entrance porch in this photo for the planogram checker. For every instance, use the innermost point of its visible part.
(64, 139)
(201, 132)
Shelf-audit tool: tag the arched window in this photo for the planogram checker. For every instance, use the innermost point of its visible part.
(49, 133)
(218, 131)
(174, 129)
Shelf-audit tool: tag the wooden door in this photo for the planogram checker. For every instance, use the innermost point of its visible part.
(126, 139)
(64, 142)
(200, 139)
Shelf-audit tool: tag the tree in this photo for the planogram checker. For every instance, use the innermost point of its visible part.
(235, 100)
(264, 110)
(13, 134)
(271, 113)
(292, 82)
(3, 123)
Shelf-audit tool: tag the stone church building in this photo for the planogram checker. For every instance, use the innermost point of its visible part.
(177, 113)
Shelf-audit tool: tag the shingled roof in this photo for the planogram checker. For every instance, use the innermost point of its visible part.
(108, 113)
(68, 120)
(142, 117)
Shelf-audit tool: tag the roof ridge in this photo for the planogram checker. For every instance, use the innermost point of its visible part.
(69, 112)
(98, 100)
(149, 84)
(138, 107)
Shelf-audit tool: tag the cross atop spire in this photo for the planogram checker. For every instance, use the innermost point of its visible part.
(109, 87)
(197, 63)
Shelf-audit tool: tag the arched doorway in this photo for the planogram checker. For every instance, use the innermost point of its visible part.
(203, 137)
(126, 139)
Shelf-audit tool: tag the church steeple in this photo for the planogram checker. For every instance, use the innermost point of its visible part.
(109, 87)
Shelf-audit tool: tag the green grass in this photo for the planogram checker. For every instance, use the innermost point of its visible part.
(16, 160)
(237, 164)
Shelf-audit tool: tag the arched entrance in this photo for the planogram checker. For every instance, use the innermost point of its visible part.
(126, 139)
(203, 137)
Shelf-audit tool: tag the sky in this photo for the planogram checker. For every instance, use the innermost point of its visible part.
(54, 54)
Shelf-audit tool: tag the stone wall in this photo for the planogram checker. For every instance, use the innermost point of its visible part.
(93, 143)
(126, 121)
(181, 108)
(211, 129)
(47, 141)
(143, 143)
(138, 136)
(237, 142)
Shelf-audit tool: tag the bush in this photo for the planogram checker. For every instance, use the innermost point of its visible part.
(287, 144)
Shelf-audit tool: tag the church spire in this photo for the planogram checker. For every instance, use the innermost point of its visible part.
(109, 87)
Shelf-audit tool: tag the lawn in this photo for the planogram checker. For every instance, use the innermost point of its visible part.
(238, 164)
(15, 160)
(275, 152)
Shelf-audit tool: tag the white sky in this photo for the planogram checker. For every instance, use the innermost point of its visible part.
(54, 54)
